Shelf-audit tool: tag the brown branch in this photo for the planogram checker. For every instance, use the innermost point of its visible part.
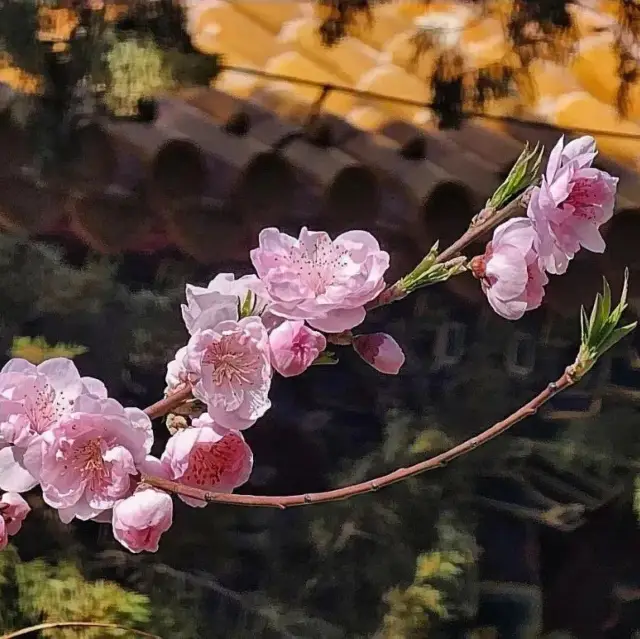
(75, 624)
(438, 461)
(485, 221)
(166, 405)
(481, 224)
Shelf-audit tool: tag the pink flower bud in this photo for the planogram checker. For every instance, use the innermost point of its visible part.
(294, 347)
(139, 521)
(380, 351)
(13, 511)
(510, 271)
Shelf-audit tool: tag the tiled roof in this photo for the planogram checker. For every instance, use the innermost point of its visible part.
(228, 160)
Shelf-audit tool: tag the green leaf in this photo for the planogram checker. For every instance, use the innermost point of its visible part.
(596, 322)
(614, 337)
(584, 323)
(606, 298)
(601, 332)
(523, 173)
(247, 305)
(326, 358)
(622, 305)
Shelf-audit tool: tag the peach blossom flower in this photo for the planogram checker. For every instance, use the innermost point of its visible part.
(380, 351)
(32, 400)
(294, 347)
(231, 362)
(219, 302)
(13, 511)
(90, 458)
(209, 457)
(510, 271)
(139, 520)
(571, 204)
(178, 375)
(325, 282)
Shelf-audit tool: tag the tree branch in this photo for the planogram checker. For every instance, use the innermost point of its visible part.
(166, 405)
(530, 408)
(485, 220)
(75, 624)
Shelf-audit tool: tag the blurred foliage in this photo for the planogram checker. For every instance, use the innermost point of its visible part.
(438, 576)
(136, 70)
(45, 593)
(36, 350)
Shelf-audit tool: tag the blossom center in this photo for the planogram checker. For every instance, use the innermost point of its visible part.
(320, 266)
(584, 195)
(46, 407)
(232, 362)
(209, 462)
(87, 460)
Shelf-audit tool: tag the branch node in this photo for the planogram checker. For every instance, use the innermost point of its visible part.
(308, 499)
(553, 387)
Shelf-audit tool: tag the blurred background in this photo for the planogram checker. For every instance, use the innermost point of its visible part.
(144, 144)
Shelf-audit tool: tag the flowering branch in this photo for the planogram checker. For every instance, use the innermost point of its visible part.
(529, 409)
(486, 220)
(92, 457)
(598, 335)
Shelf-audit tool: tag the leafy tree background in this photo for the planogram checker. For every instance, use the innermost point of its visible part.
(407, 562)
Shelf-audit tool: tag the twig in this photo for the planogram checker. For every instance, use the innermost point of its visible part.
(166, 405)
(484, 222)
(75, 624)
(347, 492)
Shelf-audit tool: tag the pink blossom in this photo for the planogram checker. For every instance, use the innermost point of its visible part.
(380, 351)
(231, 361)
(571, 204)
(89, 459)
(139, 521)
(13, 510)
(294, 347)
(32, 400)
(209, 457)
(220, 301)
(510, 271)
(312, 278)
(178, 376)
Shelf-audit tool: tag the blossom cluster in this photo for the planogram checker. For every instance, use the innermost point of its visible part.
(91, 456)
(565, 213)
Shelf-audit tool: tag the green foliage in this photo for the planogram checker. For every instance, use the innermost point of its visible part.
(636, 497)
(136, 69)
(601, 332)
(439, 575)
(58, 592)
(429, 272)
(522, 175)
(36, 350)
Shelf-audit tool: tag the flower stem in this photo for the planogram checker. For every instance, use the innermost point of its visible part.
(438, 461)
(166, 405)
(481, 224)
